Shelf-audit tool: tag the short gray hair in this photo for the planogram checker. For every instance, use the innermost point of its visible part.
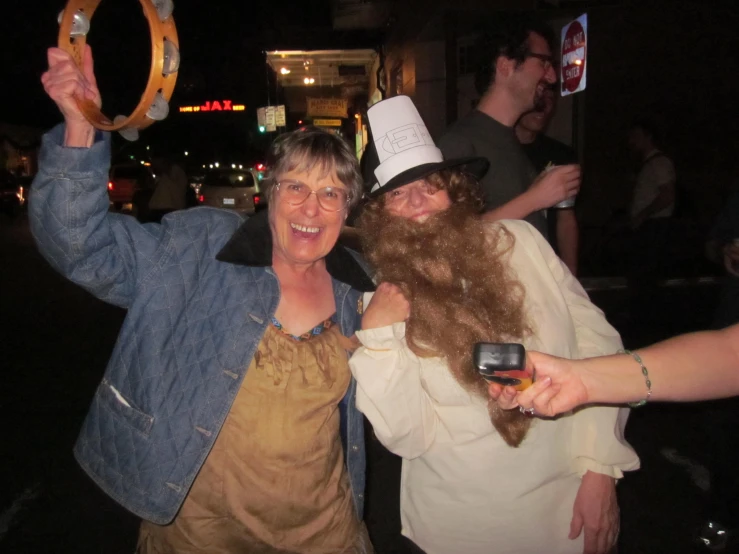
(308, 148)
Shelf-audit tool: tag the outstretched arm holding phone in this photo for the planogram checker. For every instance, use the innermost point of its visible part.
(692, 367)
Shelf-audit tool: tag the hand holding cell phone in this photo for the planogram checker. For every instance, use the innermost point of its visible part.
(503, 363)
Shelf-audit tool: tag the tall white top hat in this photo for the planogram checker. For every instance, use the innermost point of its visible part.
(404, 148)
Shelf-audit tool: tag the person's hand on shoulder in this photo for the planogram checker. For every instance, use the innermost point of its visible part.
(388, 305)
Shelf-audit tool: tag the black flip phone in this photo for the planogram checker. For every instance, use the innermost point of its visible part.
(502, 363)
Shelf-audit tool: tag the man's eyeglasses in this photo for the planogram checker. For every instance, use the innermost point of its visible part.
(331, 199)
(546, 59)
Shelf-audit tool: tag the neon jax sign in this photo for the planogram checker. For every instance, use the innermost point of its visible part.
(214, 106)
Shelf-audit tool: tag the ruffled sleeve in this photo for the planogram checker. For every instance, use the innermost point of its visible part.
(389, 391)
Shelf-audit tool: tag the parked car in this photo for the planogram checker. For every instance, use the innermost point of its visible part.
(13, 192)
(125, 180)
(233, 189)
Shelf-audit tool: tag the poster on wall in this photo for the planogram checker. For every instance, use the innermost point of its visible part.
(280, 120)
(327, 107)
(270, 119)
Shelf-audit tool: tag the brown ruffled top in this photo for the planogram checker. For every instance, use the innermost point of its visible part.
(275, 481)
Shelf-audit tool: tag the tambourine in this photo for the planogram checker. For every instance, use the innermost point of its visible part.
(74, 24)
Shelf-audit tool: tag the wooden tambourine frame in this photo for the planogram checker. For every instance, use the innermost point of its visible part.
(158, 82)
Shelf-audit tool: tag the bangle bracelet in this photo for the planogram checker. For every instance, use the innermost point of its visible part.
(646, 378)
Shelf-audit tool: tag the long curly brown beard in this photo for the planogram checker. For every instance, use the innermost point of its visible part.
(452, 269)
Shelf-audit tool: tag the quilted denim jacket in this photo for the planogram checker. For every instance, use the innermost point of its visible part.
(199, 293)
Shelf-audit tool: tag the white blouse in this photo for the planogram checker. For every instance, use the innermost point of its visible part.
(463, 489)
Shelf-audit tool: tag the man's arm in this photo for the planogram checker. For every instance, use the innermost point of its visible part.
(568, 238)
(456, 145)
(548, 189)
(520, 207)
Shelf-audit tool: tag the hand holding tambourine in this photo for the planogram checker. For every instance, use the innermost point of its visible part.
(75, 22)
(67, 85)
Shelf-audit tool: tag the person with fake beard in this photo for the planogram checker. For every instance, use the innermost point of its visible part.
(475, 478)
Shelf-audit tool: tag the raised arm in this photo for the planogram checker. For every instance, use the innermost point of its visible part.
(388, 374)
(105, 253)
(549, 188)
(64, 83)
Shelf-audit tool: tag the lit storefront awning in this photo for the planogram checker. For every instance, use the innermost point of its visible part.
(321, 68)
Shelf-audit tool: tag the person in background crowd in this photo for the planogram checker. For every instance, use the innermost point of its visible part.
(654, 190)
(544, 153)
(723, 248)
(646, 241)
(516, 69)
(170, 189)
(721, 509)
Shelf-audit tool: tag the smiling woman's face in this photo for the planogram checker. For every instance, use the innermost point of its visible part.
(417, 200)
(303, 234)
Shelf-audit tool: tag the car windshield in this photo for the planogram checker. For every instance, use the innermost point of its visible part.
(236, 179)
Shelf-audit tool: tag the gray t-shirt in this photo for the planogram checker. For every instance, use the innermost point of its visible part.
(510, 174)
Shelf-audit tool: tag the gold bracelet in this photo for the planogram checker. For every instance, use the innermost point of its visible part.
(646, 378)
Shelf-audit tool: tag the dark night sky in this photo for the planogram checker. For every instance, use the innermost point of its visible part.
(220, 42)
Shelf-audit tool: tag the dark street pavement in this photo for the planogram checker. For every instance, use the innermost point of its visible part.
(55, 343)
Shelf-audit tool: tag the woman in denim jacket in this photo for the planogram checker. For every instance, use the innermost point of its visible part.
(223, 411)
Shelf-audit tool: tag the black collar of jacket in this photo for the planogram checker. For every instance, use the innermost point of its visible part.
(251, 245)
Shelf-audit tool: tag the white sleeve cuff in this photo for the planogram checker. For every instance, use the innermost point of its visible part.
(390, 337)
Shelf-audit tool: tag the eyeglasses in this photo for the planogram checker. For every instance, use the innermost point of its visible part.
(400, 196)
(331, 199)
(546, 59)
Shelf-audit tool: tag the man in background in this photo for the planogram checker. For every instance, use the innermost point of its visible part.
(544, 153)
(516, 69)
(719, 530)
(654, 191)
